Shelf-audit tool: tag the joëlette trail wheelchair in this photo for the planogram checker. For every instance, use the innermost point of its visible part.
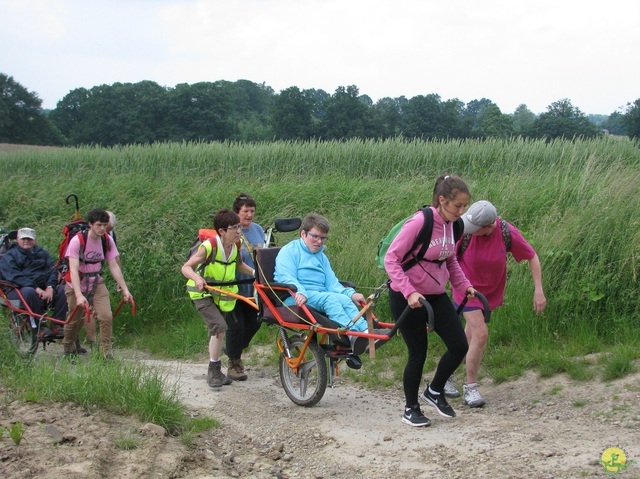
(27, 329)
(311, 345)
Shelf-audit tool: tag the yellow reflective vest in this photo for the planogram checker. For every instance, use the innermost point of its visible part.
(216, 272)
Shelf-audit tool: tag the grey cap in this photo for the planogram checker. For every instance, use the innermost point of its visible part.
(26, 233)
(482, 213)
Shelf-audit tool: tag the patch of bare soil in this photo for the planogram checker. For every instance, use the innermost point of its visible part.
(530, 428)
(9, 147)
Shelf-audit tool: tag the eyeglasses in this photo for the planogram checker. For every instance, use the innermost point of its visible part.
(316, 237)
(236, 227)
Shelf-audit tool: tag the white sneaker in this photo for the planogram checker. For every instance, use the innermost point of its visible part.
(450, 390)
(472, 397)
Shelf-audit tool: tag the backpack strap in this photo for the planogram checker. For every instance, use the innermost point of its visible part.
(463, 245)
(423, 239)
(212, 256)
(506, 233)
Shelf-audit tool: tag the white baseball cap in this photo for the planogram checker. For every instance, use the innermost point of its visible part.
(480, 214)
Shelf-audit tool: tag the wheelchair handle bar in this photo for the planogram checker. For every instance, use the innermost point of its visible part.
(122, 301)
(485, 306)
(430, 318)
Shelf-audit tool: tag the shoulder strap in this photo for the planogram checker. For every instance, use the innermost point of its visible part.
(212, 256)
(423, 239)
(239, 252)
(82, 237)
(506, 234)
(464, 244)
(458, 230)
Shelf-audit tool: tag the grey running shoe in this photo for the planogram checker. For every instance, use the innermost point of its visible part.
(450, 390)
(472, 397)
(413, 417)
(439, 402)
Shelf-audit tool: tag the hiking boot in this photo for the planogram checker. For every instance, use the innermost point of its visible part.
(236, 370)
(472, 397)
(215, 377)
(413, 417)
(439, 402)
(450, 390)
(80, 348)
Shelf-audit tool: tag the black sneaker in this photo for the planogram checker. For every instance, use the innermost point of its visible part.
(439, 402)
(414, 417)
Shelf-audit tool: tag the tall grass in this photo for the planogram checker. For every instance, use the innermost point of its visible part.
(577, 203)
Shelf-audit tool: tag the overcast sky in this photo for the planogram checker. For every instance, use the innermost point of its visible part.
(509, 51)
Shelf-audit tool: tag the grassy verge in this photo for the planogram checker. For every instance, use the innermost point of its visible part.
(116, 386)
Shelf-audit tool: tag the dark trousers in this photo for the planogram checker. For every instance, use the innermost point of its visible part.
(59, 301)
(414, 332)
(242, 326)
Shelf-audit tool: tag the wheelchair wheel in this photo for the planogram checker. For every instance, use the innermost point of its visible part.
(306, 386)
(22, 336)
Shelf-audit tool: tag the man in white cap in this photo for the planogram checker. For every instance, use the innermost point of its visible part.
(30, 267)
(482, 255)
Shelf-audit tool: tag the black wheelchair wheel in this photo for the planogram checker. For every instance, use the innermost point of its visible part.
(23, 337)
(306, 386)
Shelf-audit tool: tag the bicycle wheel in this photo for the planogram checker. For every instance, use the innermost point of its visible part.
(306, 386)
(24, 338)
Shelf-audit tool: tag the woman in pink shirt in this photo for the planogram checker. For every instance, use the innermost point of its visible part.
(484, 262)
(426, 280)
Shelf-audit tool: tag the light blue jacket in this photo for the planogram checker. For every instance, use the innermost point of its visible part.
(309, 272)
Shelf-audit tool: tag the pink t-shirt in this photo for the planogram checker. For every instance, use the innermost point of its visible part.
(484, 263)
(92, 252)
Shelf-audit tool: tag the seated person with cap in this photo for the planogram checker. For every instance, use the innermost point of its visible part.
(30, 268)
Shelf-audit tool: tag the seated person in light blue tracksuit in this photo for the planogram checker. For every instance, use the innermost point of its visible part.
(302, 263)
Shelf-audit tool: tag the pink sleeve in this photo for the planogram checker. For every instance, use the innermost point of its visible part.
(398, 249)
(520, 247)
(112, 249)
(457, 277)
(73, 249)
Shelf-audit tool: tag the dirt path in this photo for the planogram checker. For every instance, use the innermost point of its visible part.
(530, 428)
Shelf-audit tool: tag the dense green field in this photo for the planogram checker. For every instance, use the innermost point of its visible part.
(577, 202)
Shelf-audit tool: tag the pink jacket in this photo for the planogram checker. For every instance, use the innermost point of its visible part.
(426, 277)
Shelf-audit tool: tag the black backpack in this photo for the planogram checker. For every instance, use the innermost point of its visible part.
(424, 238)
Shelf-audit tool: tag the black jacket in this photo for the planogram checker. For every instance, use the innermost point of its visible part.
(28, 267)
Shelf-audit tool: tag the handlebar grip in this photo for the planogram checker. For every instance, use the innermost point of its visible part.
(430, 317)
(485, 306)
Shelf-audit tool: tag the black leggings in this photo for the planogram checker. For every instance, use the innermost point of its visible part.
(414, 332)
(242, 326)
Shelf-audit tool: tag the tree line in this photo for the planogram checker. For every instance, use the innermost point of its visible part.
(145, 112)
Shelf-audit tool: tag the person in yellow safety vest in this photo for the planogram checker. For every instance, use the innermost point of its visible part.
(216, 262)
